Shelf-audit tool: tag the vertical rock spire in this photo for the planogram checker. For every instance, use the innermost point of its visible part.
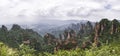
(97, 28)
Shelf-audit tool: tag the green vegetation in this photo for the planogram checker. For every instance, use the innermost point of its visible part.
(102, 39)
(112, 49)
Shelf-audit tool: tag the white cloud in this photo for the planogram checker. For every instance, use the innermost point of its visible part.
(117, 7)
(14, 11)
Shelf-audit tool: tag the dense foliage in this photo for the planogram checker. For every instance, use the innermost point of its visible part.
(98, 39)
(112, 49)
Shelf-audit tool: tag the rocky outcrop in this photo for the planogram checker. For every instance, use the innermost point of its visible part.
(115, 26)
(86, 29)
(49, 39)
(86, 44)
(104, 28)
(101, 29)
(68, 43)
(91, 33)
(97, 33)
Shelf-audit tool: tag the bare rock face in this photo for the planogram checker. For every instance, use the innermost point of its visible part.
(104, 26)
(49, 39)
(86, 29)
(86, 44)
(27, 42)
(68, 39)
(114, 27)
(68, 43)
(97, 33)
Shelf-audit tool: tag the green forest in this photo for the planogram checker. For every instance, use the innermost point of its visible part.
(99, 39)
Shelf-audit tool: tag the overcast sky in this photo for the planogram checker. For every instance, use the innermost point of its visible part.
(30, 11)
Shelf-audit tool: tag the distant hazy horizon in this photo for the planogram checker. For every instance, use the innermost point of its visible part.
(35, 11)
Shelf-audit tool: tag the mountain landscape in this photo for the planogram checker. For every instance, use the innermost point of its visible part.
(82, 36)
(49, 26)
(59, 27)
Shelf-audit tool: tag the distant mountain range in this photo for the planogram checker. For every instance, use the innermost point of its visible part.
(52, 26)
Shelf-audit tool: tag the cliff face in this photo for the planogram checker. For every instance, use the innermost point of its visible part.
(50, 39)
(105, 28)
(86, 29)
(70, 39)
(114, 27)
(97, 33)
(101, 28)
(69, 42)
(87, 35)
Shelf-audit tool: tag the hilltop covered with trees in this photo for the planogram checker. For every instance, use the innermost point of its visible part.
(98, 39)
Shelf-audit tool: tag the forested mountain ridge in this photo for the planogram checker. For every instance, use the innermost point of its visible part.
(16, 36)
(80, 36)
(53, 26)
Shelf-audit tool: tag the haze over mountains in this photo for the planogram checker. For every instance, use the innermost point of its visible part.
(49, 26)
